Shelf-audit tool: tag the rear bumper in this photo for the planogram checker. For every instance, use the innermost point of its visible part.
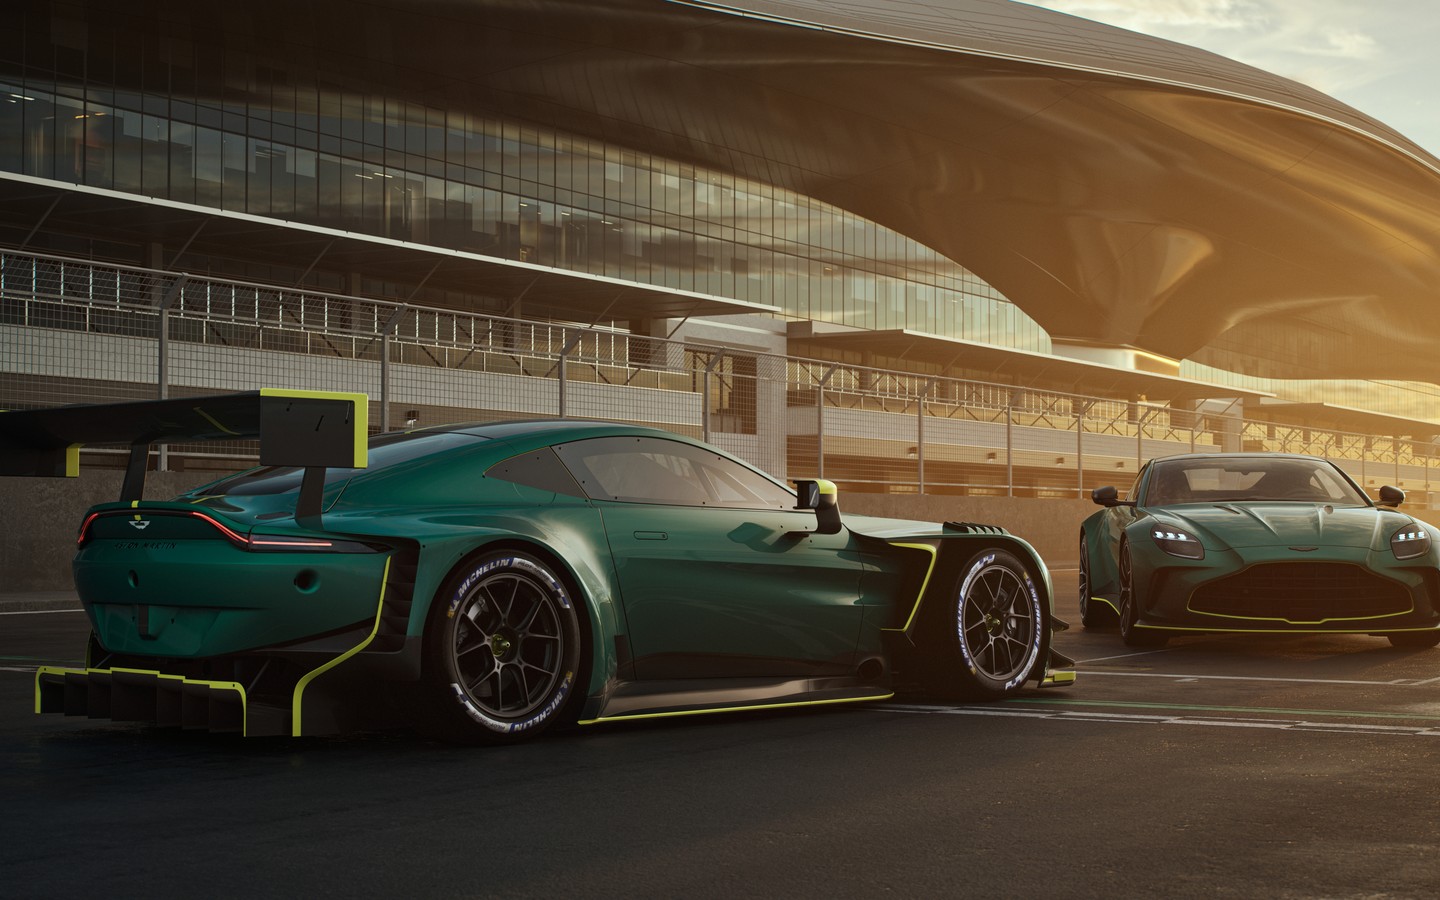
(330, 683)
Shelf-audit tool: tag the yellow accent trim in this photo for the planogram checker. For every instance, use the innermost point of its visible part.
(361, 403)
(1224, 630)
(1108, 603)
(211, 419)
(134, 504)
(934, 555)
(1220, 615)
(1062, 676)
(72, 461)
(826, 488)
(701, 712)
(315, 673)
(1200, 612)
(1303, 621)
(46, 670)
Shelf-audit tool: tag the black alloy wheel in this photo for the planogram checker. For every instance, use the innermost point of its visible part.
(994, 631)
(505, 650)
(1130, 631)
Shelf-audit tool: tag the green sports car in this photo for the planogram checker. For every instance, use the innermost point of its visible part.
(492, 581)
(1256, 543)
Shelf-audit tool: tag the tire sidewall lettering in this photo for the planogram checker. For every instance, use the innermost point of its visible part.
(508, 562)
(500, 726)
(981, 564)
(457, 599)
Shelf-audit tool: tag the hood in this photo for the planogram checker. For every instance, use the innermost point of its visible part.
(1286, 524)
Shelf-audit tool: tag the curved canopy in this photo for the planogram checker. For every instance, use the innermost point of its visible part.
(1123, 190)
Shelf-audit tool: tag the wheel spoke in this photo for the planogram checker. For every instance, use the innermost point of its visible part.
(474, 686)
(510, 604)
(473, 612)
(524, 684)
(992, 588)
(529, 619)
(509, 643)
(1009, 658)
(480, 645)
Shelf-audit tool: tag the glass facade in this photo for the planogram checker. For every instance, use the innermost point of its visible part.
(360, 162)
(119, 104)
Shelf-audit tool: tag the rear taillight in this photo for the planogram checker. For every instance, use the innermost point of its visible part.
(283, 543)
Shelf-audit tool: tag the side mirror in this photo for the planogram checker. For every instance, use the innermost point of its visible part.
(1391, 496)
(823, 497)
(1105, 496)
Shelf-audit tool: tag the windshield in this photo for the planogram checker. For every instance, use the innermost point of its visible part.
(1249, 480)
(385, 450)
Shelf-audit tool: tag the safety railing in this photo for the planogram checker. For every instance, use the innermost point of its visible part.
(81, 331)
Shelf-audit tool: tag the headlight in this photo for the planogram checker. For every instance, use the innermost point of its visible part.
(1178, 543)
(1410, 542)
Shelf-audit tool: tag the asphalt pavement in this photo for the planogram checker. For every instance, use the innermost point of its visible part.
(26, 601)
(1219, 766)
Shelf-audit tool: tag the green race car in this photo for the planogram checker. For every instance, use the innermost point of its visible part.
(492, 581)
(1256, 543)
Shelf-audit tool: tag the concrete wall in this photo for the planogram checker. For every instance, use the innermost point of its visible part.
(39, 518)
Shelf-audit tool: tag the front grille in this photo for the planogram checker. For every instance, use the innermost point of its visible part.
(1302, 592)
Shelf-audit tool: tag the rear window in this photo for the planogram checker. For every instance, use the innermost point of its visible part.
(385, 450)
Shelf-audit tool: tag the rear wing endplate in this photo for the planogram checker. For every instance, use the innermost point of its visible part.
(313, 430)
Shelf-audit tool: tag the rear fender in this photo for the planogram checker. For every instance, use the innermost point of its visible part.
(446, 546)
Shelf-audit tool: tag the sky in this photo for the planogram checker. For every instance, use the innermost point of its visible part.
(1381, 57)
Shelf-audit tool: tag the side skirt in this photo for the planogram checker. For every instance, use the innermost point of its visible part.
(647, 700)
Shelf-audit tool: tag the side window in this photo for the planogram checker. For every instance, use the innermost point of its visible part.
(538, 469)
(1134, 492)
(654, 470)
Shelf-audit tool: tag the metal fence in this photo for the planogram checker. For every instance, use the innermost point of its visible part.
(78, 331)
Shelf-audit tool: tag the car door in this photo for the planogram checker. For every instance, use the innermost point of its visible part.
(719, 575)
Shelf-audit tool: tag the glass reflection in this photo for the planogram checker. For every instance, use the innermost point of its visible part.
(413, 173)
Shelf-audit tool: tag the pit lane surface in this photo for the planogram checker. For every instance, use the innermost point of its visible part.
(1220, 766)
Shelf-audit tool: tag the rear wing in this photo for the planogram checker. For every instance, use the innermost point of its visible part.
(313, 430)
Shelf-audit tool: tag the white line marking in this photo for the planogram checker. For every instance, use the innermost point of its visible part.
(1426, 681)
(1125, 655)
(29, 671)
(39, 612)
(1231, 723)
(1113, 718)
(1089, 674)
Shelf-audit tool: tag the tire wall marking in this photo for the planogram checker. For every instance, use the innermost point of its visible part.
(1034, 599)
(543, 575)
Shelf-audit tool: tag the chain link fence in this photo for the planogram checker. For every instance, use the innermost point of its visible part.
(76, 331)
